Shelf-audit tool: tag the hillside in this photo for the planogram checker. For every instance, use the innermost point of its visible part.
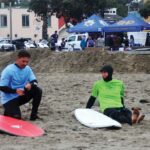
(88, 61)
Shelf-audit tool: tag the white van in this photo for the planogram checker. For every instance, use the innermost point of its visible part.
(73, 41)
(139, 37)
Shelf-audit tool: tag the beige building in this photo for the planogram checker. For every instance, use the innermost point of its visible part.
(19, 22)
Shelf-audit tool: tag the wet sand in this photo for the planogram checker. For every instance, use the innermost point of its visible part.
(62, 94)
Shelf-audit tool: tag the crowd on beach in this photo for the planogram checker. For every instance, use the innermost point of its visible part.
(115, 41)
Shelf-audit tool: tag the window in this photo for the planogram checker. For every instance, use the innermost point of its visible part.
(107, 11)
(71, 39)
(3, 20)
(25, 20)
(79, 38)
(49, 21)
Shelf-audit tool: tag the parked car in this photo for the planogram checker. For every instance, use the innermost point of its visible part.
(24, 43)
(42, 44)
(73, 41)
(5, 45)
(29, 44)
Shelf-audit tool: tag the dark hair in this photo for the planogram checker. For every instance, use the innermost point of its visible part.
(107, 68)
(24, 53)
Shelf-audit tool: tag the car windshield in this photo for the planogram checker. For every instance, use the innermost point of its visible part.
(4, 42)
(72, 38)
(30, 41)
(44, 41)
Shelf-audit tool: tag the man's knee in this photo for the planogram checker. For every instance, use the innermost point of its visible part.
(12, 109)
(36, 89)
(40, 90)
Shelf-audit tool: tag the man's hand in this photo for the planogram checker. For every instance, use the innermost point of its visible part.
(28, 87)
(20, 92)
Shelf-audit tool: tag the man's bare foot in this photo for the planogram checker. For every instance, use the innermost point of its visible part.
(140, 118)
(135, 115)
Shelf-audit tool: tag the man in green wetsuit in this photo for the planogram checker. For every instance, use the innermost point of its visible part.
(110, 94)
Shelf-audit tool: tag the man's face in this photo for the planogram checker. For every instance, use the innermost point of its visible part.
(22, 62)
(104, 74)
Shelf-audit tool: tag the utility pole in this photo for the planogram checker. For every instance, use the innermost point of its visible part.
(128, 5)
(10, 15)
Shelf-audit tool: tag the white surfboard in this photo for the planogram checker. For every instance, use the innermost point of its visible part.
(94, 119)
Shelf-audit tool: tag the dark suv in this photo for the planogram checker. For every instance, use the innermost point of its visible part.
(20, 42)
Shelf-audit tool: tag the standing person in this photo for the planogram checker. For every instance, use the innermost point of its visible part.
(90, 42)
(53, 41)
(147, 42)
(109, 41)
(110, 94)
(18, 86)
(126, 41)
(100, 42)
(63, 42)
(55, 36)
(83, 43)
(131, 41)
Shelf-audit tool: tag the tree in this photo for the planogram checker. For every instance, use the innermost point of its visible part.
(7, 2)
(24, 3)
(79, 9)
(41, 8)
(145, 9)
(76, 9)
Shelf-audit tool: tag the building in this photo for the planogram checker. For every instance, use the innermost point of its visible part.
(111, 11)
(111, 16)
(20, 22)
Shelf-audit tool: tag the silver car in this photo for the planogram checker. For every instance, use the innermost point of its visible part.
(5, 45)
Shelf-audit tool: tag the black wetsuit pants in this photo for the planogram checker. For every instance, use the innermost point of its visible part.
(122, 115)
(12, 108)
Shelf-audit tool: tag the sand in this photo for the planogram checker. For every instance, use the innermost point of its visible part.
(63, 92)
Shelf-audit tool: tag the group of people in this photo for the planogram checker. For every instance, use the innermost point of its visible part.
(19, 85)
(116, 41)
(54, 39)
(113, 41)
(91, 42)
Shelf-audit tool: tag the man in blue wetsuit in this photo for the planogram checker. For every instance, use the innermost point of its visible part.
(18, 86)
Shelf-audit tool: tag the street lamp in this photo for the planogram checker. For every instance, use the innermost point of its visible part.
(128, 5)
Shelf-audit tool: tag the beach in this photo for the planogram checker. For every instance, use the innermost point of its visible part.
(66, 89)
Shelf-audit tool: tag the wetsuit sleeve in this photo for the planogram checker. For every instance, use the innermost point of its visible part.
(34, 83)
(122, 101)
(122, 95)
(4, 82)
(93, 96)
(7, 89)
(90, 102)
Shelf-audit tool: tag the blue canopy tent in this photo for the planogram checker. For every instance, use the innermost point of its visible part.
(92, 24)
(131, 23)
